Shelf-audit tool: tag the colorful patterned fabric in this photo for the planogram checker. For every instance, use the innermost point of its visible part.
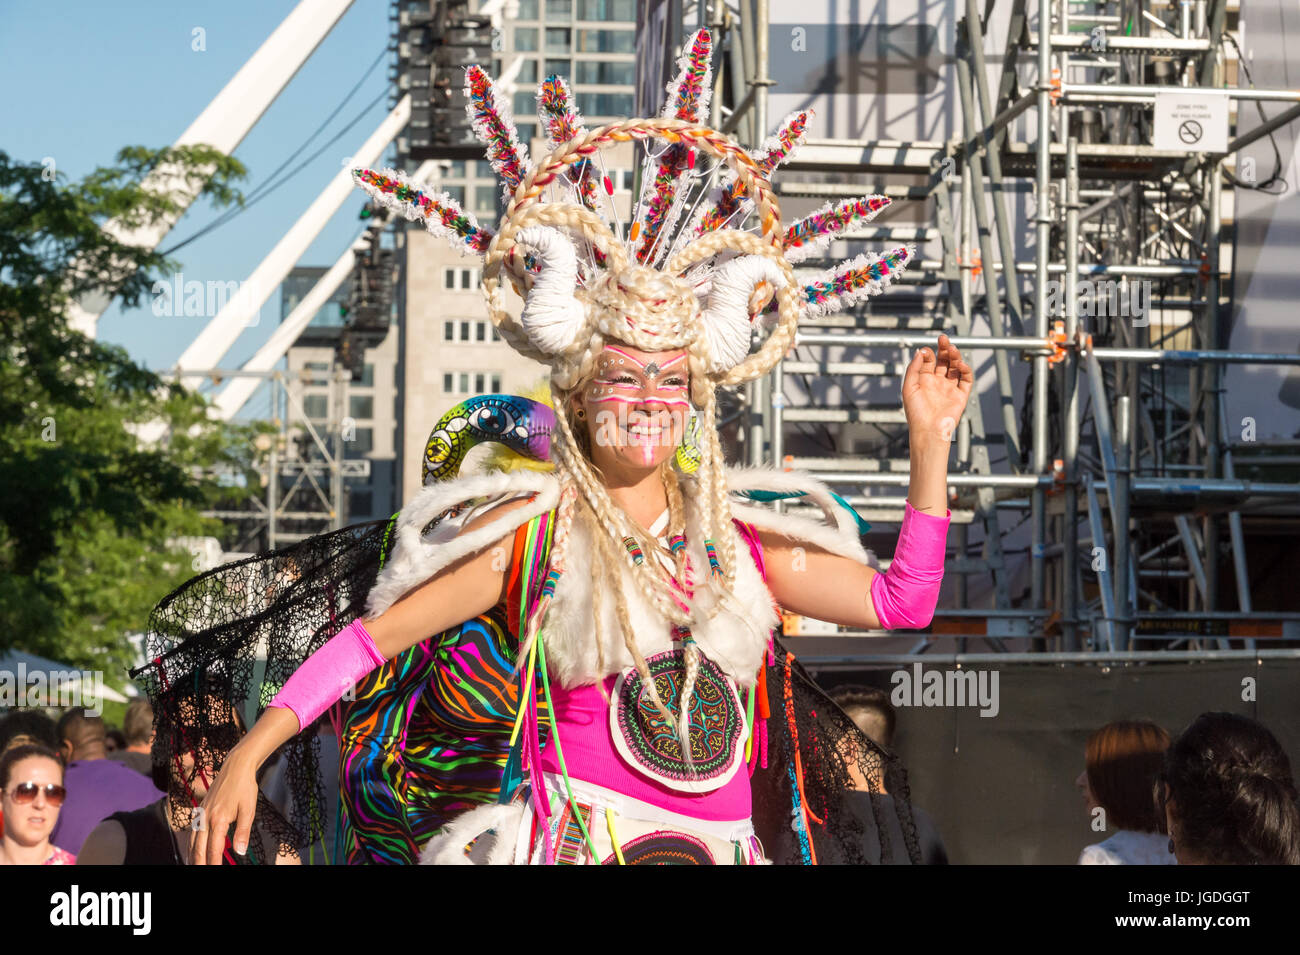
(427, 735)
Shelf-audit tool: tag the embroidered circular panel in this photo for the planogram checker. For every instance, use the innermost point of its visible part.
(663, 848)
(645, 740)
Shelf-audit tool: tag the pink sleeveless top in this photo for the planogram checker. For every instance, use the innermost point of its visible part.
(582, 723)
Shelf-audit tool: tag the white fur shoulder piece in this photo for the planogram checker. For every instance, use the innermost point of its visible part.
(735, 638)
(417, 556)
(502, 822)
(837, 533)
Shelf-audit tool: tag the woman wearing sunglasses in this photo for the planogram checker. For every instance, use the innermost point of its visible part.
(31, 777)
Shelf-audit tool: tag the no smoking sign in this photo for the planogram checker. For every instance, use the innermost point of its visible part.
(1191, 122)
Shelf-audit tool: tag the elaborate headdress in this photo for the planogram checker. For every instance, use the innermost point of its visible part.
(705, 256)
(706, 239)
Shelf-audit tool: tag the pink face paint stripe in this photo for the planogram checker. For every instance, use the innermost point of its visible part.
(638, 361)
(623, 399)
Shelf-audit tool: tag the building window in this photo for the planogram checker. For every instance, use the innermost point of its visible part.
(527, 9)
(527, 71)
(496, 384)
(480, 331)
(316, 407)
(317, 366)
(362, 443)
(463, 382)
(605, 72)
(448, 331)
(559, 11)
(558, 39)
(607, 10)
(480, 383)
(464, 331)
(559, 68)
(455, 169)
(523, 104)
(360, 502)
(448, 383)
(457, 193)
(448, 278)
(526, 39)
(605, 104)
(606, 41)
(361, 406)
(485, 200)
(496, 335)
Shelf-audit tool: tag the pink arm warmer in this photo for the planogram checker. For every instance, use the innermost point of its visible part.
(329, 673)
(904, 597)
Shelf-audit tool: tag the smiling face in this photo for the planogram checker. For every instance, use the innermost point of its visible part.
(636, 408)
(30, 823)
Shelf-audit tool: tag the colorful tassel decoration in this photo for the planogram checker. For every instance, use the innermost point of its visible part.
(441, 214)
(815, 231)
(776, 149)
(853, 281)
(548, 585)
(688, 97)
(676, 544)
(715, 569)
(495, 129)
(634, 549)
(563, 122)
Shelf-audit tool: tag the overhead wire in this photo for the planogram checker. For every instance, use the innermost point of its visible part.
(270, 183)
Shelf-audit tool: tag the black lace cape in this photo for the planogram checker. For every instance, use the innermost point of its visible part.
(203, 644)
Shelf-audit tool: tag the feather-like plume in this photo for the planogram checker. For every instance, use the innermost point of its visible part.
(563, 122)
(777, 148)
(688, 98)
(495, 128)
(852, 281)
(441, 214)
(814, 232)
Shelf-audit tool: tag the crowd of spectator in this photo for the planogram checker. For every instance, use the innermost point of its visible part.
(1221, 793)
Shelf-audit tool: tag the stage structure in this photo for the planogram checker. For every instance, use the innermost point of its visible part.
(1105, 150)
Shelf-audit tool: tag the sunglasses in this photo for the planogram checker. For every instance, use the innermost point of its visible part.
(26, 792)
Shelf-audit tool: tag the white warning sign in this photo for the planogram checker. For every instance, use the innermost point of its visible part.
(1191, 122)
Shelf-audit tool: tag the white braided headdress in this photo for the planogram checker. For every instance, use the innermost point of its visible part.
(661, 284)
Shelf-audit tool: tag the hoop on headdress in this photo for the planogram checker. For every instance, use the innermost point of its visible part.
(562, 246)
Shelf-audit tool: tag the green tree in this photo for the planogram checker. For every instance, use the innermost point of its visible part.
(87, 510)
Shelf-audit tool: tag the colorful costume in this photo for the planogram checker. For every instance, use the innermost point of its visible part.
(629, 702)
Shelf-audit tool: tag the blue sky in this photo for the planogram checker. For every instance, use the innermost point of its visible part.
(84, 79)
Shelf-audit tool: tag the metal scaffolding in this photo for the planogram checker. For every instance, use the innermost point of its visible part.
(302, 462)
(1115, 441)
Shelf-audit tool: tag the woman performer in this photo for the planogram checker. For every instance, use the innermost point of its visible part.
(641, 710)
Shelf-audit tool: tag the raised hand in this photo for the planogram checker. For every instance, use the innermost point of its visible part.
(936, 388)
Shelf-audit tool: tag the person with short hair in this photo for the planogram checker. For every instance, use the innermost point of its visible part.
(97, 786)
(1228, 794)
(137, 728)
(31, 780)
(873, 714)
(159, 833)
(1121, 765)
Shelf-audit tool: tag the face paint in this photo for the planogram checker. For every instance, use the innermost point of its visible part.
(623, 379)
(645, 404)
